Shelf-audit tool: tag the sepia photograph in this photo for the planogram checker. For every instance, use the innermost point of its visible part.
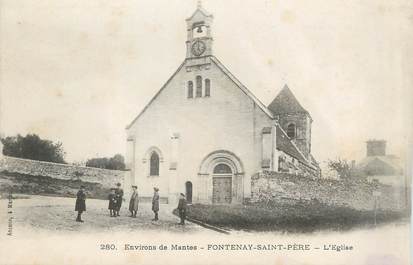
(206, 132)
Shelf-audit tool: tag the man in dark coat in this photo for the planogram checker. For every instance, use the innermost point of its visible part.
(112, 202)
(119, 198)
(155, 203)
(134, 201)
(182, 208)
(80, 206)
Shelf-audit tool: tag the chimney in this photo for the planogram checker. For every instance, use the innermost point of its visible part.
(376, 148)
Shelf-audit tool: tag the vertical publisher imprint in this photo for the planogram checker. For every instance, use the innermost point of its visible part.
(10, 216)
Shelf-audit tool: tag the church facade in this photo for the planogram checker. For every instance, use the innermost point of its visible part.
(205, 134)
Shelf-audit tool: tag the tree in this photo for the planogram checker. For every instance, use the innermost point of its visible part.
(344, 170)
(33, 147)
(117, 162)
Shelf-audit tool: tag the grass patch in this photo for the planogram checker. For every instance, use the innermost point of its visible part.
(299, 217)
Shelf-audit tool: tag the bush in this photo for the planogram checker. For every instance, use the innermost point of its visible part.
(116, 162)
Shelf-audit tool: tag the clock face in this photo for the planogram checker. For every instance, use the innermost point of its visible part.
(198, 48)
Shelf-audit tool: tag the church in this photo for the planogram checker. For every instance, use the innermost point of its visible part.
(205, 134)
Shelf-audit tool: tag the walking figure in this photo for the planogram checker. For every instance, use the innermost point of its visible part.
(119, 198)
(182, 208)
(80, 206)
(155, 203)
(134, 201)
(112, 202)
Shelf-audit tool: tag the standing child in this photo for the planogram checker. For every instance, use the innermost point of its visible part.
(134, 201)
(155, 203)
(80, 206)
(112, 202)
(119, 198)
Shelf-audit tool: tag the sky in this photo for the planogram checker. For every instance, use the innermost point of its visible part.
(79, 71)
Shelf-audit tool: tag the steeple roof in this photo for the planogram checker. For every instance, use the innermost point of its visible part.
(285, 102)
(201, 11)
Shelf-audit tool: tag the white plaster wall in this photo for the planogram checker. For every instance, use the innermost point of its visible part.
(227, 120)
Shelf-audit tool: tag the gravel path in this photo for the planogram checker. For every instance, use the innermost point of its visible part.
(57, 214)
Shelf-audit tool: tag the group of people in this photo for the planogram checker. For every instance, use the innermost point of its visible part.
(115, 202)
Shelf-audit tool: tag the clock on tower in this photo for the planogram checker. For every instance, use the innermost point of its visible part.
(199, 40)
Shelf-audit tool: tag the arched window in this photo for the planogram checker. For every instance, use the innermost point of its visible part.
(207, 88)
(199, 30)
(190, 89)
(198, 86)
(222, 169)
(188, 191)
(154, 164)
(291, 130)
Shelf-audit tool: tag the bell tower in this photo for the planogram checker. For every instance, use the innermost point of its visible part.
(199, 39)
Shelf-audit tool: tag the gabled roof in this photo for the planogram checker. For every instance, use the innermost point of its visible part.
(283, 142)
(286, 103)
(156, 95)
(223, 69)
(201, 10)
(242, 87)
(373, 162)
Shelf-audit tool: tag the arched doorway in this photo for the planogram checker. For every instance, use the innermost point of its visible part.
(188, 191)
(222, 184)
(220, 179)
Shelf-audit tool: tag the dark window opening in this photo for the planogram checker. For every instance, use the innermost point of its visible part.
(154, 165)
(190, 89)
(207, 88)
(198, 86)
(188, 191)
(199, 30)
(291, 130)
(222, 169)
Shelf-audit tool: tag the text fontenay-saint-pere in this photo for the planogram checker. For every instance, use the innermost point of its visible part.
(238, 247)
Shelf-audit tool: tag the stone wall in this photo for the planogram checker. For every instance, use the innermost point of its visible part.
(286, 188)
(107, 178)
